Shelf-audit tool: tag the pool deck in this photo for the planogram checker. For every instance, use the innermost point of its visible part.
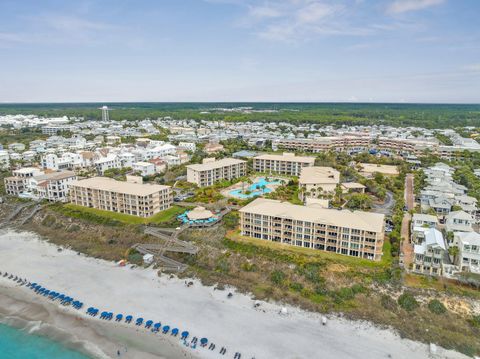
(238, 186)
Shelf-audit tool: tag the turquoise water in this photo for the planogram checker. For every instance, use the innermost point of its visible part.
(255, 189)
(16, 344)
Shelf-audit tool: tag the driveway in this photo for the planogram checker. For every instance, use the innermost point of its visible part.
(386, 207)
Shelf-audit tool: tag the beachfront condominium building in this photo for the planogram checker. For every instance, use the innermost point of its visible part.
(212, 171)
(52, 186)
(17, 183)
(357, 234)
(137, 199)
(317, 181)
(287, 163)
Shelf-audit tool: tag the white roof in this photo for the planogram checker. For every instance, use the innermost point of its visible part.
(385, 169)
(199, 213)
(459, 215)
(143, 164)
(314, 175)
(367, 221)
(286, 157)
(109, 184)
(433, 238)
(215, 164)
(424, 218)
(471, 238)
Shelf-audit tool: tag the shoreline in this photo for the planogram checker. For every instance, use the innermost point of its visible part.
(235, 323)
(74, 330)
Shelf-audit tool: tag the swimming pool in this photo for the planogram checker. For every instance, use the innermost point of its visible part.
(256, 189)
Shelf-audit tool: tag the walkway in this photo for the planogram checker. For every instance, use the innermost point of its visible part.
(409, 194)
(171, 243)
(406, 249)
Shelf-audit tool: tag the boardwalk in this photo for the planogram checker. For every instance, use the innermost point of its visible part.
(171, 243)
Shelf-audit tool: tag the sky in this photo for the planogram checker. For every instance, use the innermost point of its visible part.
(240, 50)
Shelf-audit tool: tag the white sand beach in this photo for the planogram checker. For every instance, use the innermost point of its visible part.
(234, 323)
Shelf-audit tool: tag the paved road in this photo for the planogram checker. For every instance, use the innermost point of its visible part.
(387, 206)
(409, 195)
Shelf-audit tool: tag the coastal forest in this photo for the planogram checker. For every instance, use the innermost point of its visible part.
(336, 114)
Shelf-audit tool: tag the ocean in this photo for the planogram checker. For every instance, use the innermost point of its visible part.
(18, 344)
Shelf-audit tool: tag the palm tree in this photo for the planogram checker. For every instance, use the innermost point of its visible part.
(453, 251)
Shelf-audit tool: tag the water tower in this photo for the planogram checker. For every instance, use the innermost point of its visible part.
(105, 110)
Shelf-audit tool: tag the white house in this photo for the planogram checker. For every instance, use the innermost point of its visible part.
(145, 168)
(468, 244)
(159, 151)
(4, 159)
(459, 221)
(127, 159)
(106, 163)
(52, 162)
(52, 186)
(188, 146)
(429, 254)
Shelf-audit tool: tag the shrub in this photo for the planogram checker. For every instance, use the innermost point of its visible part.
(408, 302)
(475, 321)
(49, 220)
(278, 277)
(249, 267)
(321, 290)
(311, 271)
(388, 303)
(230, 220)
(222, 265)
(436, 307)
(297, 287)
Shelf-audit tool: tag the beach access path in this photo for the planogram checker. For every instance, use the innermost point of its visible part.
(236, 323)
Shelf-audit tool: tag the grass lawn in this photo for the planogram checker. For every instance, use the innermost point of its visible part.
(101, 216)
(301, 253)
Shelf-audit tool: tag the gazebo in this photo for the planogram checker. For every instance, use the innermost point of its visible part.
(199, 213)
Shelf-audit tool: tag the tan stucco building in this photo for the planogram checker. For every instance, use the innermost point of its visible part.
(212, 171)
(287, 164)
(357, 234)
(137, 199)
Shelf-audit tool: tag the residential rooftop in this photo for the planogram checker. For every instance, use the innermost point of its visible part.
(215, 164)
(367, 221)
(109, 184)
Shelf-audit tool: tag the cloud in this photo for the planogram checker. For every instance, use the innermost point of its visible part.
(403, 6)
(472, 67)
(315, 12)
(262, 12)
(300, 20)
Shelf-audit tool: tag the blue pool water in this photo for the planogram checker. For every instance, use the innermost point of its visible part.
(255, 189)
(184, 219)
(17, 344)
